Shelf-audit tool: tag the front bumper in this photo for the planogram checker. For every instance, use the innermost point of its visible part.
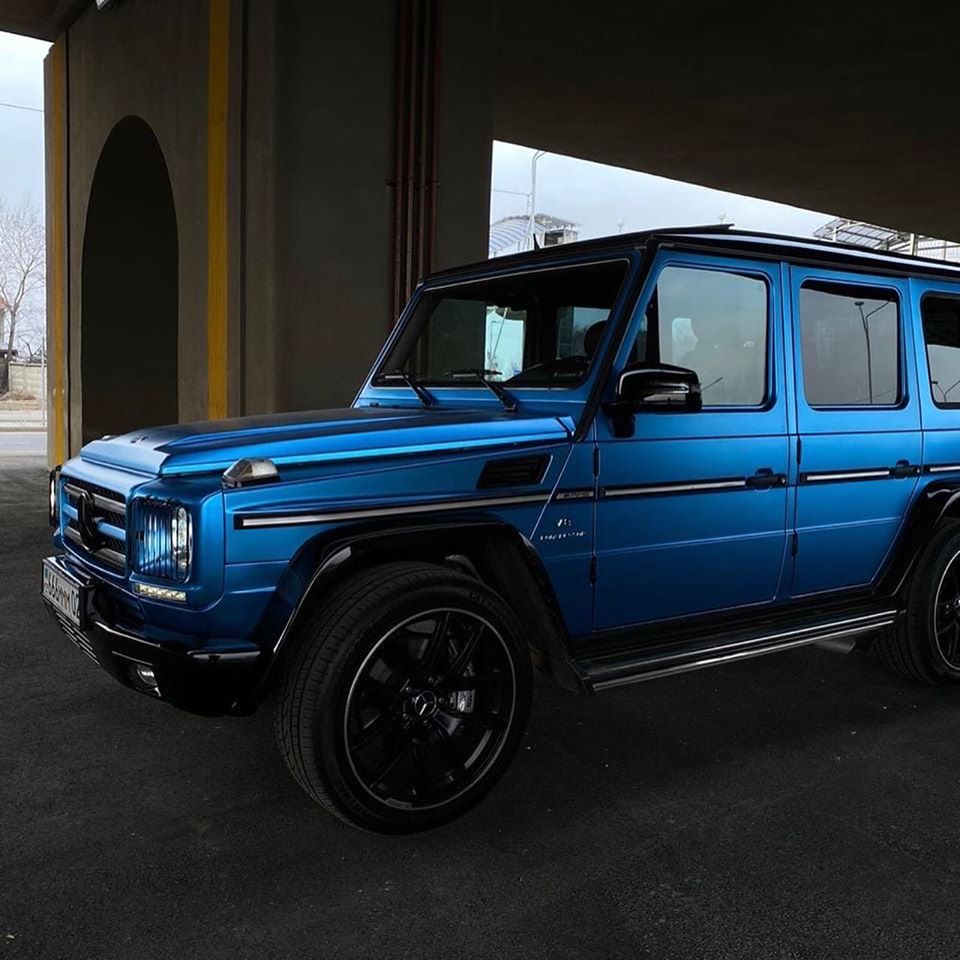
(201, 681)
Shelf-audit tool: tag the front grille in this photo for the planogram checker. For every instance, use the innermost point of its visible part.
(102, 506)
(113, 517)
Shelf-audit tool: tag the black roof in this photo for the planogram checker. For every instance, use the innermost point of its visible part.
(721, 238)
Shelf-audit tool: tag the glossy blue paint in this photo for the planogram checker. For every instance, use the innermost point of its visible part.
(624, 527)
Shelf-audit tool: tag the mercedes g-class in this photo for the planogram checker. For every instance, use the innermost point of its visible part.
(614, 460)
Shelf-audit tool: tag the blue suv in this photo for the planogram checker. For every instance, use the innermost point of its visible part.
(614, 460)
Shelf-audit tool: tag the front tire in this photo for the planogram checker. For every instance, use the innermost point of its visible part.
(924, 646)
(405, 698)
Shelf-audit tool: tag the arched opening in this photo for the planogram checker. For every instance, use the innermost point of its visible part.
(128, 352)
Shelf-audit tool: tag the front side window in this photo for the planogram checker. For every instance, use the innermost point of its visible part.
(850, 345)
(941, 331)
(535, 329)
(713, 322)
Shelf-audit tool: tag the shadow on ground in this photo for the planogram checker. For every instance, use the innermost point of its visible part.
(801, 805)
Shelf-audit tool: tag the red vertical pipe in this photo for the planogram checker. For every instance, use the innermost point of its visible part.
(414, 185)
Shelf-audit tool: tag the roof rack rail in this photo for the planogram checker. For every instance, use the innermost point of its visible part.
(697, 228)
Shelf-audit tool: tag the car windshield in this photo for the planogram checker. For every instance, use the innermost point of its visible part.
(539, 329)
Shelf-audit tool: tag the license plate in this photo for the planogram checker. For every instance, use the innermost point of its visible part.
(62, 593)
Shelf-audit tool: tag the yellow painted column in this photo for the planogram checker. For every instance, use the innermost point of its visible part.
(57, 359)
(218, 91)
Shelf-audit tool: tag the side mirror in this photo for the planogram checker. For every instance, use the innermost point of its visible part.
(665, 388)
(661, 389)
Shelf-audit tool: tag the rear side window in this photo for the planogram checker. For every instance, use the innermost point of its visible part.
(941, 332)
(850, 345)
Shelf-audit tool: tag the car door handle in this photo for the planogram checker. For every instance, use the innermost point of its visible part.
(904, 468)
(765, 478)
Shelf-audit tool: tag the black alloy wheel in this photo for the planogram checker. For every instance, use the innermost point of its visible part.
(429, 709)
(405, 696)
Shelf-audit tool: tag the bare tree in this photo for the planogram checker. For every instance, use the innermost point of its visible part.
(22, 249)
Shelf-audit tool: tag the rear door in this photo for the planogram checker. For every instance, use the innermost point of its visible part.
(858, 419)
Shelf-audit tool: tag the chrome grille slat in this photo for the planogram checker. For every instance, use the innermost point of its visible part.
(109, 508)
(103, 499)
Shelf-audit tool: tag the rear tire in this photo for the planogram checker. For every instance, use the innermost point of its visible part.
(405, 697)
(924, 646)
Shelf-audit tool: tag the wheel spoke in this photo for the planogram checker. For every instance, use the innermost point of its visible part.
(380, 690)
(455, 769)
(381, 724)
(434, 644)
(398, 664)
(461, 660)
(952, 644)
(391, 764)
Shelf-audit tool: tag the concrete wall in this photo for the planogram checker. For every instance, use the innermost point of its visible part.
(310, 156)
(333, 143)
(27, 378)
(147, 58)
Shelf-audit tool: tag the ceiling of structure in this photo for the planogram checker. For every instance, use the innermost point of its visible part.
(844, 108)
(38, 18)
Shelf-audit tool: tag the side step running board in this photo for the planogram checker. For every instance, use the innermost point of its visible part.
(679, 657)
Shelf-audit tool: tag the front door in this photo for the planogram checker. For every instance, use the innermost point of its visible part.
(858, 420)
(692, 509)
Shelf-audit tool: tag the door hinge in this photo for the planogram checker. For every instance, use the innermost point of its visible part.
(794, 543)
(799, 449)
(593, 569)
(596, 460)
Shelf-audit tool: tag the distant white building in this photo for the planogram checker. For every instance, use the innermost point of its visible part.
(869, 235)
(512, 234)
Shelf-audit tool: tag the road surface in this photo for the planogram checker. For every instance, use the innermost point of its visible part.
(23, 443)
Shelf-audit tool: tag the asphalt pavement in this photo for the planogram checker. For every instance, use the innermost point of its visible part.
(799, 805)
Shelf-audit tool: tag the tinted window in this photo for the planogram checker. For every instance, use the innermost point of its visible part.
(538, 328)
(849, 339)
(941, 331)
(715, 323)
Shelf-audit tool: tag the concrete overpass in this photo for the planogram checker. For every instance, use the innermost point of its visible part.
(241, 192)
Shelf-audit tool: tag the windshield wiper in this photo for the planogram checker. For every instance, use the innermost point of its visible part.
(426, 398)
(508, 400)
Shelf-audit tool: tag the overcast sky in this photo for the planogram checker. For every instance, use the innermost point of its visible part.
(597, 196)
(591, 194)
(21, 131)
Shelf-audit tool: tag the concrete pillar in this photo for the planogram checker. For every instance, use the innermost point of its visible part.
(327, 274)
(278, 125)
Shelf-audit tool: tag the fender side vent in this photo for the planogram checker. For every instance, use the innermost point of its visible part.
(513, 472)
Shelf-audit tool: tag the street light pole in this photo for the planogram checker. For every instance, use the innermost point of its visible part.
(531, 222)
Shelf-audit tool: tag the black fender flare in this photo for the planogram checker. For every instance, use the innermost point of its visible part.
(937, 501)
(502, 557)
